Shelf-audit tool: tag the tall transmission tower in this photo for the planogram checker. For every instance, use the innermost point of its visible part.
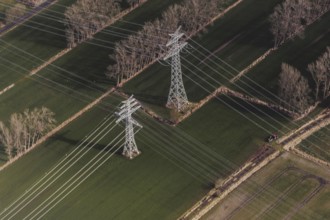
(126, 110)
(177, 97)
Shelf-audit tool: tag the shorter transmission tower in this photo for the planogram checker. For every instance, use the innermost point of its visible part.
(126, 110)
(177, 97)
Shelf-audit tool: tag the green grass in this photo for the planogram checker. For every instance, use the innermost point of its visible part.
(87, 64)
(47, 38)
(246, 30)
(37, 41)
(316, 208)
(318, 144)
(173, 171)
(298, 53)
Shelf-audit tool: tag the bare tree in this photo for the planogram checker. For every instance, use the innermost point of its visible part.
(293, 89)
(133, 54)
(84, 18)
(15, 12)
(32, 3)
(320, 71)
(6, 138)
(25, 129)
(292, 16)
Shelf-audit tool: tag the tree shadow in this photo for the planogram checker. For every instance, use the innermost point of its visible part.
(151, 99)
(87, 144)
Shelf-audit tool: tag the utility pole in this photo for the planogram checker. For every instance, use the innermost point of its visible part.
(125, 113)
(177, 97)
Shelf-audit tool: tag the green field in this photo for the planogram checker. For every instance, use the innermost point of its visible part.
(173, 171)
(62, 92)
(298, 53)
(288, 188)
(178, 165)
(243, 34)
(318, 145)
(44, 37)
(34, 36)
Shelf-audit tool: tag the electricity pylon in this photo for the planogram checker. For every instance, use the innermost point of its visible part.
(177, 97)
(126, 110)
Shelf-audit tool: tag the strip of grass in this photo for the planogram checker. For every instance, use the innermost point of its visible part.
(299, 53)
(246, 30)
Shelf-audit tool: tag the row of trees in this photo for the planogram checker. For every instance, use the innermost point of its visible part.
(32, 3)
(292, 16)
(84, 18)
(134, 53)
(24, 129)
(294, 90)
(320, 71)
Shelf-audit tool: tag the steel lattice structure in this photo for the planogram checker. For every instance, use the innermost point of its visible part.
(126, 110)
(177, 97)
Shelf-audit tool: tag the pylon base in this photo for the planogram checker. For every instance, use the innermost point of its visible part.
(132, 155)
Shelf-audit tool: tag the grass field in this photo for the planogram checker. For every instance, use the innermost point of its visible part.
(318, 145)
(177, 166)
(44, 37)
(298, 53)
(38, 41)
(240, 37)
(65, 93)
(288, 188)
(172, 173)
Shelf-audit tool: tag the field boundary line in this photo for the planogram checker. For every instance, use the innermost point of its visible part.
(310, 157)
(226, 91)
(322, 120)
(253, 64)
(7, 88)
(290, 144)
(59, 127)
(48, 62)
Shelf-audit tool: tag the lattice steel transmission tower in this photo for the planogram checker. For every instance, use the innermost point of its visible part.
(177, 97)
(126, 110)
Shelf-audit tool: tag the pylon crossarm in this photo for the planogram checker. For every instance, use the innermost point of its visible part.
(132, 110)
(174, 39)
(175, 50)
(137, 123)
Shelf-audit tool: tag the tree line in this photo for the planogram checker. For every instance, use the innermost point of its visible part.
(84, 18)
(294, 89)
(147, 45)
(292, 16)
(32, 3)
(14, 12)
(24, 129)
